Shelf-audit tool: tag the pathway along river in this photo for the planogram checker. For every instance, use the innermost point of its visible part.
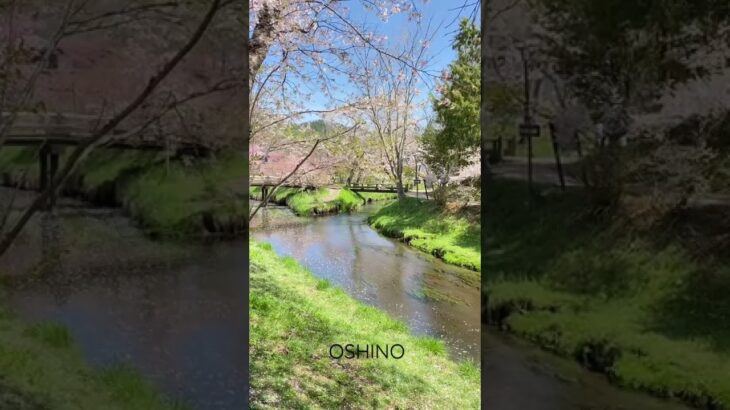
(175, 312)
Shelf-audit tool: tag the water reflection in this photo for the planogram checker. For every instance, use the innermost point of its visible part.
(387, 274)
(50, 262)
(175, 312)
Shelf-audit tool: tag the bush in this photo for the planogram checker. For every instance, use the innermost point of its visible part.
(456, 196)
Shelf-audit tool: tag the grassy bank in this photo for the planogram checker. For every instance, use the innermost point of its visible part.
(40, 369)
(631, 304)
(295, 317)
(451, 237)
(321, 201)
(178, 199)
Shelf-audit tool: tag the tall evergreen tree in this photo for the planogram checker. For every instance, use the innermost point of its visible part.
(455, 136)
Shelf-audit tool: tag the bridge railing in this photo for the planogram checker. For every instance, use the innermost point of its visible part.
(271, 181)
(69, 129)
(378, 187)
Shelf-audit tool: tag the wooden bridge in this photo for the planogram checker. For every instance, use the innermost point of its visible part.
(267, 183)
(383, 188)
(52, 132)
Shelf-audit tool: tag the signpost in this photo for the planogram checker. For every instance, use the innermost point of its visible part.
(527, 129)
(556, 151)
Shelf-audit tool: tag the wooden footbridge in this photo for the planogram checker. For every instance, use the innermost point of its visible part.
(267, 183)
(52, 132)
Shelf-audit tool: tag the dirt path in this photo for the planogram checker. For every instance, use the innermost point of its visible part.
(544, 171)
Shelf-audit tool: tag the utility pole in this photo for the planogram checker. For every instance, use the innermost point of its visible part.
(528, 119)
(528, 130)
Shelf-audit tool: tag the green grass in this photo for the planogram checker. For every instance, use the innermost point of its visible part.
(632, 304)
(319, 202)
(453, 238)
(172, 202)
(322, 201)
(41, 369)
(295, 318)
(542, 146)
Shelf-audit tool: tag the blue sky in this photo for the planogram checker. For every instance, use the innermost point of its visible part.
(443, 16)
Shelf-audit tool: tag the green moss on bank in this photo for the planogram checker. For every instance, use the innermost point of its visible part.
(170, 200)
(295, 318)
(183, 201)
(310, 202)
(619, 301)
(40, 369)
(453, 238)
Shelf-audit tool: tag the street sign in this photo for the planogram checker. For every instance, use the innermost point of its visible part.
(529, 130)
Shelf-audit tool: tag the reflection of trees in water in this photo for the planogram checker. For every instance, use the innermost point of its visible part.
(50, 262)
(265, 218)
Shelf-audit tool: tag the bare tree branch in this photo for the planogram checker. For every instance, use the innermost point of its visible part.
(83, 149)
(296, 168)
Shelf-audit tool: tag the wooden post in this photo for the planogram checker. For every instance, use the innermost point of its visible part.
(167, 155)
(579, 148)
(43, 157)
(556, 150)
(54, 169)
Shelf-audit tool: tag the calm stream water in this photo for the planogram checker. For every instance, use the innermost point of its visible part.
(387, 274)
(176, 312)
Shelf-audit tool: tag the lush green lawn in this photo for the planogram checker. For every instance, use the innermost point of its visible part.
(176, 201)
(629, 303)
(41, 369)
(453, 238)
(295, 318)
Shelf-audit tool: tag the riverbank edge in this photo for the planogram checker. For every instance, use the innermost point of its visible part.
(408, 222)
(601, 333)
(304, 202)
(41, 368)
(175, 199)
(296, 316)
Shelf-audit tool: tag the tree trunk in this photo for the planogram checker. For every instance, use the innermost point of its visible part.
(263, 36)
(399, 187)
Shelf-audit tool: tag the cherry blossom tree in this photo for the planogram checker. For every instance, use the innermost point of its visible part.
(300, 51)
(83, 17)
(390, 88)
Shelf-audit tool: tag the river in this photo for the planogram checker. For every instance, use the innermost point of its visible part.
(387, 274)
(176, 312)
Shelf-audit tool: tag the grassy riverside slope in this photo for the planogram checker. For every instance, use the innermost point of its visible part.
(453, 238)
(321, 201)
(175, 202)
(40, 369)
(631, 304)
(295, 317)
